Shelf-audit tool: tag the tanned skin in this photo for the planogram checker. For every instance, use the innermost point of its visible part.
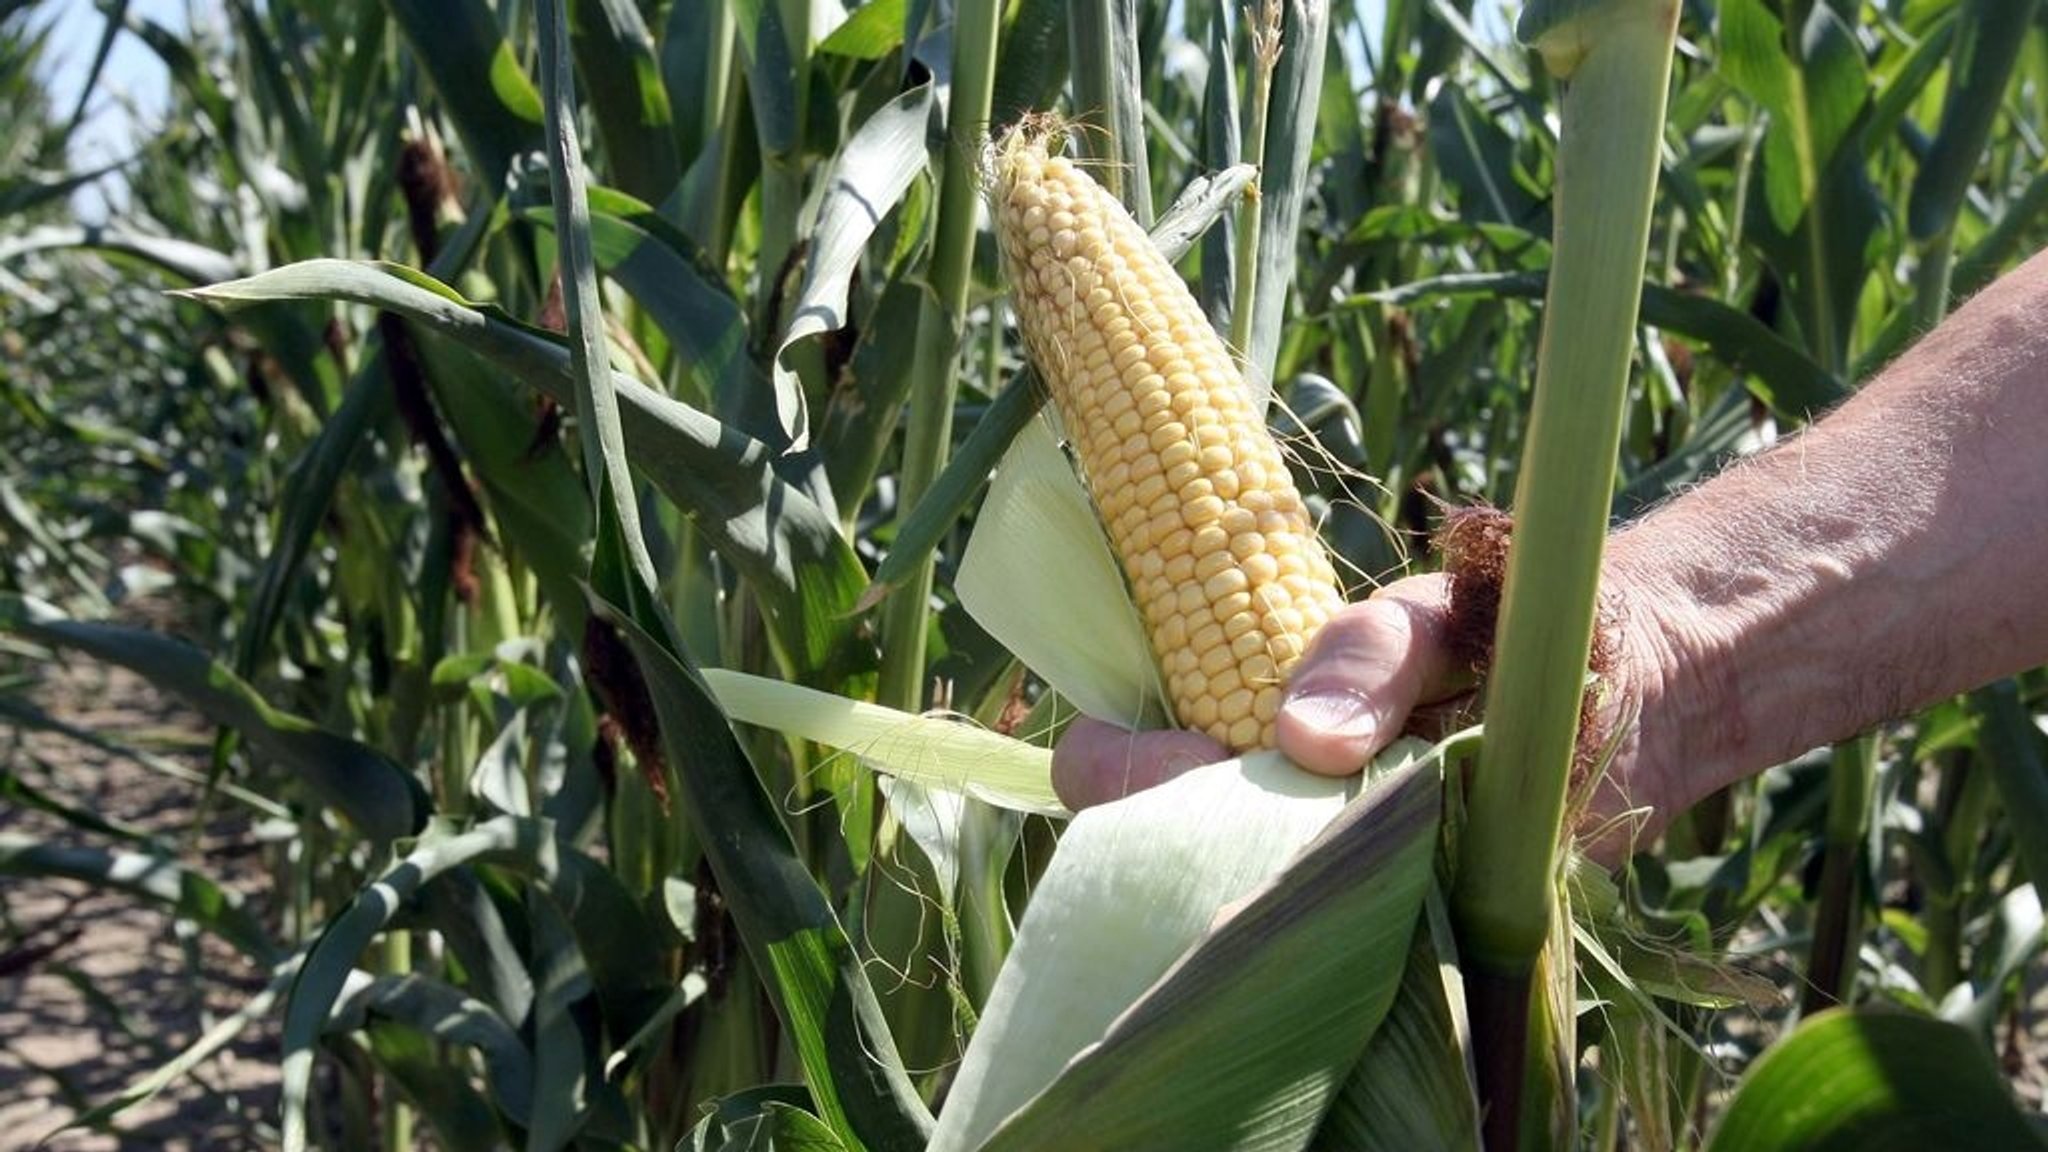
(1890, 555)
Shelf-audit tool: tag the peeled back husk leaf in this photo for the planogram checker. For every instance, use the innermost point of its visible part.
(1412, 1089)
(1158, 981)
(1039, 575)
(1134, 883)
(930, 750)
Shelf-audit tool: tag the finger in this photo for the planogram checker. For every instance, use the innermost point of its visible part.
(1095, 762)
(1365, 671)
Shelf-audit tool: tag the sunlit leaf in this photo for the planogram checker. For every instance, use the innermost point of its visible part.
(1874, 1081)
(929, 750)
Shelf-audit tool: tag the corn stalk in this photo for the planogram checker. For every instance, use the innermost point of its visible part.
(1614, 57)
(941, 322)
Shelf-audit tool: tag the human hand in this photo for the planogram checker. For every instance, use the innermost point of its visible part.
(1380, 668)
(1368, 673)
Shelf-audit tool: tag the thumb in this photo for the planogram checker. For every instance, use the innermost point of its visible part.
(1365, 671)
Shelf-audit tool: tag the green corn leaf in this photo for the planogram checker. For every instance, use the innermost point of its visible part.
(460, 908)
(315, 478)
(1818, 207)
(1476, 153)
(654, 1029)
(1102, 44)
(1447, 29)
(462, 1120)
(321, 980)
(288, 335)
(665, 271)
(767, 529)
(188, 261)
(381, 798)
(965, 473)
(182, 891)
(695, 68)
(2017, 938)
(22, 193)
(445, 1013)
(1718, 435)
(874, 30)
(1222, 146)
(1786, 377)
(814, 976)
(1874, 1081)
(1284, 185)
(2012, 747)
(1990, 34)
(765, 1119)
(620, 944)
(597, 406)
(858, 432)
(535, 498)
(1906, 84)
(2000, 245)
(1814, 85)
(350, 104)
(1415, 224)
(1206, 200)
(308, 495)
(116, 15)
(493, 102)
(616, 57)
(871, 175)
(279, 95)
(771, 75)
(562, 1103)
(190, 73)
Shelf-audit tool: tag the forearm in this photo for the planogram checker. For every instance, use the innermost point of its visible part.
(1890, 555)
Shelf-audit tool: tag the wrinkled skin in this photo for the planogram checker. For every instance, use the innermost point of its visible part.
(1885, 558)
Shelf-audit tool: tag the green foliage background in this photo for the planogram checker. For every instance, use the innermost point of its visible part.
(542, 894)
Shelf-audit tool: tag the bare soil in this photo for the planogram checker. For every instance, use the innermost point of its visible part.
(97, 988)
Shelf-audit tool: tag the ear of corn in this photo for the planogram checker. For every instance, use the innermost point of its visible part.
(1216, 543)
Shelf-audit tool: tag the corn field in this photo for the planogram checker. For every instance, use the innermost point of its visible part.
(606, 485)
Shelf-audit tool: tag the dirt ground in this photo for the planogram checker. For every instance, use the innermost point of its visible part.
(97, 989)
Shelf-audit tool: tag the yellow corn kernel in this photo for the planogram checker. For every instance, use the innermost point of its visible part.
(1217, 543)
